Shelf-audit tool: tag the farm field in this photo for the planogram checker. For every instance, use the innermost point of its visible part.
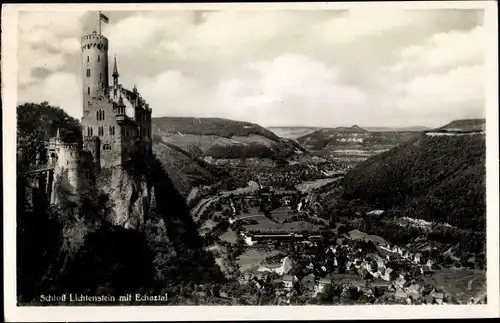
(229, 236)
(252, 258)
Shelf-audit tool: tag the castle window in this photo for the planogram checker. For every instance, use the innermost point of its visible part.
(112, 130)
(103, 114)
(88, 72)
(98, 58)
(88, 59)
(106, 147)
(97, 115)
(88, 90)
(100, 131)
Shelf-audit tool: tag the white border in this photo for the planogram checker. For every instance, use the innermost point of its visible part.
(182, 313)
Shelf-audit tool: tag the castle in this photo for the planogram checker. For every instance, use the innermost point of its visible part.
(114, 118)
(115, 123)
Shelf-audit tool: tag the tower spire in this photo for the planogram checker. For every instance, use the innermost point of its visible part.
(115, 75)
(115, 69)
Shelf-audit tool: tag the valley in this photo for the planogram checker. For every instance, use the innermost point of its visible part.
(295, 225)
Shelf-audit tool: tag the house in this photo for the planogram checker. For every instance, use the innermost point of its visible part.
(417, 257)
(386, 274)
(428, 299)
(308, 283)
(414, 291)
(399, 282)
(368, 292)
(322, 283)
(259, 283)
(375, 212)
(429, 265)
(400, 294)
(288, 281)
(438, 298)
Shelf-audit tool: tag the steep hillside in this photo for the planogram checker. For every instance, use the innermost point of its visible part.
(435, 178)
(184, 171)
(221, 138)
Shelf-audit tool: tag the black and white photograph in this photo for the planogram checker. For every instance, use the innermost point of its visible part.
(312, 159)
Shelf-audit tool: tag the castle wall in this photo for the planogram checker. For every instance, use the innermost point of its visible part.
(66, 158)
(100, 121)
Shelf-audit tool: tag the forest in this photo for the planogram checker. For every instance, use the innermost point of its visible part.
(438, 179)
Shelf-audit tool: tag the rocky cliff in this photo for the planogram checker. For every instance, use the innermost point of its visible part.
(130, 198)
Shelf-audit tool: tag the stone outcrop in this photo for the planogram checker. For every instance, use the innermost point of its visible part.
(130, 198)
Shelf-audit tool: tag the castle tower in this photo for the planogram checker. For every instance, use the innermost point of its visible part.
(95, 66)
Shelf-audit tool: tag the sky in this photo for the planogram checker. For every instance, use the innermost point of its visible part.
(324, 68)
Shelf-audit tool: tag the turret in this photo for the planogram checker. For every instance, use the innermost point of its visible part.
(120, 110)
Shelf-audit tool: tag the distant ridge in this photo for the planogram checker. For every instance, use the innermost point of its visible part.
(221, 138)
(398, 129)
(465, 125)
(354, 128)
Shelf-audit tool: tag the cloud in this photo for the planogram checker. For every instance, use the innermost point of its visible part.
(444, 50)
(310, 67)
(438, 98)
(59, 89)
(363, 22)
(44, 40)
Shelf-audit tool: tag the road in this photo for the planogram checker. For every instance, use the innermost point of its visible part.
(202, 205)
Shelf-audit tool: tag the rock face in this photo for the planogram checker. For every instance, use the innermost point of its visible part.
(130, 198)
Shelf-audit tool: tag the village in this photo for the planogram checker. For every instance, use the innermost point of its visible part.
(306, 256)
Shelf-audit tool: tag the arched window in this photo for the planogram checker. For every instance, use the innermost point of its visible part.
(97, 115)
(111, 130)
(98, 58)
(106, 147)
(88, 90)
(88, 72)
(100, 131)
(102, 115)
(87, 59)
(91, 131)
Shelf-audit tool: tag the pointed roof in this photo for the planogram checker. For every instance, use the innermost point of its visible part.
(115, 69)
